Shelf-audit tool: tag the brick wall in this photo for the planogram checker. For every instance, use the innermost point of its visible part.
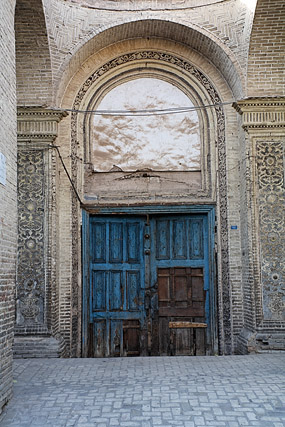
(265, 74)
(32, 54)
(8, 196)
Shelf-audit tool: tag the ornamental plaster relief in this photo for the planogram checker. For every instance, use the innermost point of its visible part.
(31, 296)
(263, 119)
(271, 201)
(37, 130)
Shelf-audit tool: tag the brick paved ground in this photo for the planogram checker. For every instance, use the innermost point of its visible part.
(159, 391)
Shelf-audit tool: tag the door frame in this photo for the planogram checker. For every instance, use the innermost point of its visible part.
(209, 210)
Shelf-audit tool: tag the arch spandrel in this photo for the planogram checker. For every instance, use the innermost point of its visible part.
(193, 37)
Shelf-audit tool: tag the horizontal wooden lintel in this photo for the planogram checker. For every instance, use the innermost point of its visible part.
(178, 325)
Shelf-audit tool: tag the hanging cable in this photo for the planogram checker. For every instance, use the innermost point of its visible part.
(143, 112)
(67, 173)
(148, 9)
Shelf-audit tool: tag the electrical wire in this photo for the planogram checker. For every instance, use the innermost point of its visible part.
(144, 112)
(149, 9)
(67, 173)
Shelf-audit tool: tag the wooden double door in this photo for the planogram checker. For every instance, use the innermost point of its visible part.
(148, 285)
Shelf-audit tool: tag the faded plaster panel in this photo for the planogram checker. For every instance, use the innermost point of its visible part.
(117, 187)
(168, 142)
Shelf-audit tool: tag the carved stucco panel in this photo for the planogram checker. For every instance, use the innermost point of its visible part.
(30, 272)
(271, 217)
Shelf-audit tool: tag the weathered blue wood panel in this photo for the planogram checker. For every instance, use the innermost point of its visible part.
(133, 287)
(179, 242)
(133, 242)
(99, 290)
(196, 239)
(183, 280)
(162, 233)
(116, 290)
(99, 236)
(116, 242)
(99, 331)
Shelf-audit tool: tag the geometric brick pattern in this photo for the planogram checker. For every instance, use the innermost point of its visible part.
(177, 391)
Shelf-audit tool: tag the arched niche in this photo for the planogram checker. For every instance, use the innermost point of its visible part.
(143, 79)
(148, 30)
(145, 129)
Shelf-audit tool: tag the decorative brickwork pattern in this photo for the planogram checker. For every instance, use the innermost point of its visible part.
(212, 29)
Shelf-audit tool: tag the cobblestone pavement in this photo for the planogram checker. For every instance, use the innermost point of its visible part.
(158, 391)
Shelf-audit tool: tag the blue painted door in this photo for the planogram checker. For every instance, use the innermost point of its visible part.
(116, 286)
(148, 285)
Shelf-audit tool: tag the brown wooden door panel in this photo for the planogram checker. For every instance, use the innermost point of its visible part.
(181, 311)
(181, 297)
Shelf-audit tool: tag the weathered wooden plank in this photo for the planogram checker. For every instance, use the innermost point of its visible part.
(181, 311)
(178, 325)
(200, 342)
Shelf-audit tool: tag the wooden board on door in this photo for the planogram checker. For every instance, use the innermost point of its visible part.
(181, 298)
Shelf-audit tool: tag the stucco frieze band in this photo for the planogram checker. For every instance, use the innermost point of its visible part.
(38, 123)
(261, 113)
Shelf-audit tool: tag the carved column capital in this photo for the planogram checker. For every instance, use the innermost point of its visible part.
(260, 115)
(38, 124)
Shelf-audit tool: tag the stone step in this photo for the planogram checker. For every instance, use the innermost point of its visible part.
(38, 347)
